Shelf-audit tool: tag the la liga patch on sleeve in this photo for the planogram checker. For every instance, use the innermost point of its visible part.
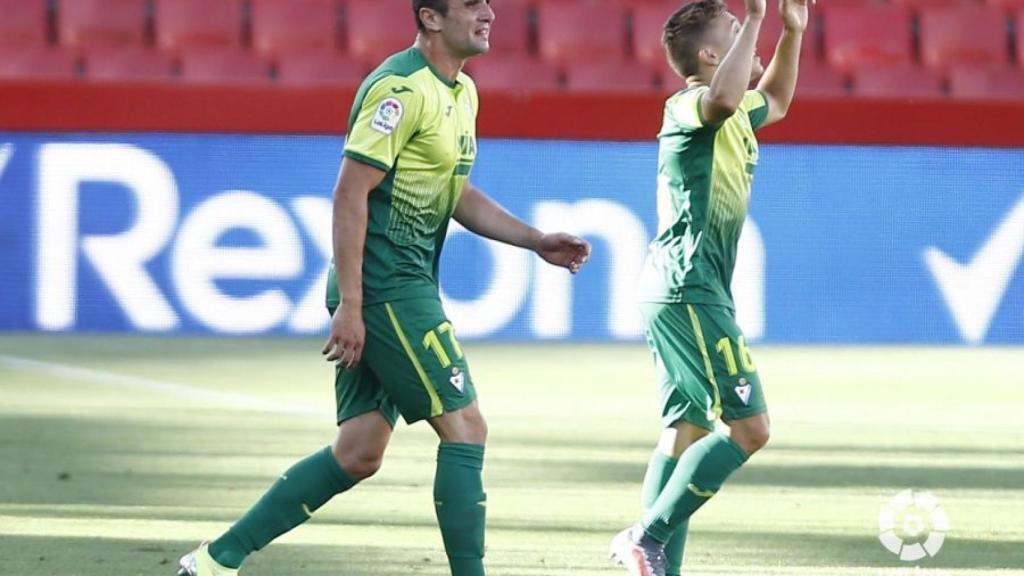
(388, 115)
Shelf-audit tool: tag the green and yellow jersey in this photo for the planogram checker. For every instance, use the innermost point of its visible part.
(420, 128)
(705, 172)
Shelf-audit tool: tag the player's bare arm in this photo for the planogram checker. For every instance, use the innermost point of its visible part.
(356, 180)
(733, 72)
(482, 215)
(779, 81)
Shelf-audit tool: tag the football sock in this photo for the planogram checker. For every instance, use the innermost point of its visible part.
(460, 503)
(291, 500)
(699, 474)
(659, 470)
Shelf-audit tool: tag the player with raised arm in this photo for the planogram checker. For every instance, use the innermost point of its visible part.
(706, 162)
(410, 148)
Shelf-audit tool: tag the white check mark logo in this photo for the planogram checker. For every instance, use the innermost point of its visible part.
(974, 291)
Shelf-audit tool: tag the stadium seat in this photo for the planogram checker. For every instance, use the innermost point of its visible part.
(511, 34)
(923, 5)
(856, 37)
(819, 80)
(23, 23)
(223, 66)
(581, 29)
(513, 73)
(1008, 5)
(897, 81)
(609, 76)
(1020, 37)
(963, 35)
(983, 83)
(377, 29)
(38, 63)
(648, 21)
(182, 24)
(280, 26)
(319, 67)
(98, 23)
(128, 64)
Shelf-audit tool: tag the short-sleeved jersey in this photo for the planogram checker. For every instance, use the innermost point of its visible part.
(420, 128)
(705, 172)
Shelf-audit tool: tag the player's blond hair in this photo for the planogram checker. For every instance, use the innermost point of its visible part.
(684, 31)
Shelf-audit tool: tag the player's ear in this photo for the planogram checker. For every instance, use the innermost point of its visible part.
(708, 57)
(431, 19)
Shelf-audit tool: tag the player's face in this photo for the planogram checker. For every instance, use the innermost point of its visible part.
(467, 27)
(726, 30)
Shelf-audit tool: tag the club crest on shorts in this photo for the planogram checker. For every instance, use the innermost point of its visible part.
(458, 380)
(389, 114)
(743, 391)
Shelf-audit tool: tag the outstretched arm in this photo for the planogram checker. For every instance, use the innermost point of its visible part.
(483, 216)
(779, 81)
(729, 84)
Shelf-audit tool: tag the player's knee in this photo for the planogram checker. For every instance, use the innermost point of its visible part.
(475, 429)
(754, 439)
(361, 464)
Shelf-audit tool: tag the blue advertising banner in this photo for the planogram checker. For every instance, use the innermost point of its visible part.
(226, 234)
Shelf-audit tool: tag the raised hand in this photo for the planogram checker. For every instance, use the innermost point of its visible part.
(794, 14)
(755, 8)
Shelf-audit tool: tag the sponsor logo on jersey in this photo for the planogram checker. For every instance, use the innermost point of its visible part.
(458, 380)
(389, 114)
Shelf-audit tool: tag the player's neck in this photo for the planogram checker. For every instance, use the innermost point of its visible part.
(439, 57)
(697, 80)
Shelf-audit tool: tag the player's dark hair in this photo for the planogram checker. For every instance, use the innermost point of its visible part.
(684, 30)
(440, 6)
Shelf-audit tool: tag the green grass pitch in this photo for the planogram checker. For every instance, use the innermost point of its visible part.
(117, 454)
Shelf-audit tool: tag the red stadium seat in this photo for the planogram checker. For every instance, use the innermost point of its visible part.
(581, 29)
(38, 63)
(1020, 37)
(97, 23)
(222, 66)
(648, 21)
(1008, 5)
(511, 32)
(609, 76)
(23, 23)
(513, 73)
(318, 68)
(376, 29)
(280, 26)
(819, 80)
(862, 36)
(982, 83)
(182, 24)
(963, 35)
(128, 64)
(898, 81)
(922, 5)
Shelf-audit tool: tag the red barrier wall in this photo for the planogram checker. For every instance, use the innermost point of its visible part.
(82, 106)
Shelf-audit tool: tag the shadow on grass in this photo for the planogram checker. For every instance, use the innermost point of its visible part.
(745, 550)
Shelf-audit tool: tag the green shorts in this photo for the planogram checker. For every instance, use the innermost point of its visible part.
(412, 365)
(703, 364)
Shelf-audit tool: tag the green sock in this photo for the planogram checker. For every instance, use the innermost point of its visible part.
(701, 471)
(306, 486)
(460, 503)
(659, 470)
